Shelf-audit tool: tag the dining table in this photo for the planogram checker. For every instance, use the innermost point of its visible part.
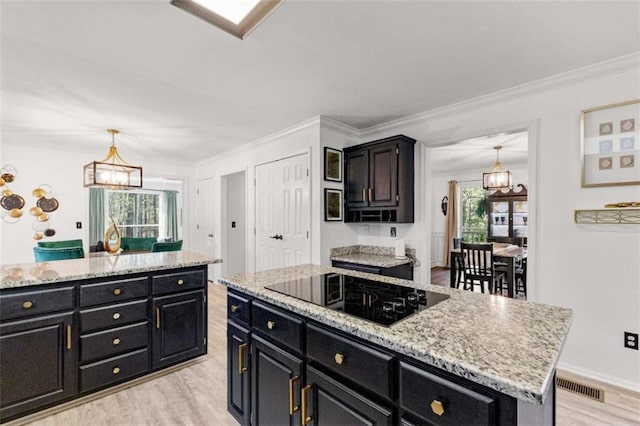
(507, 254)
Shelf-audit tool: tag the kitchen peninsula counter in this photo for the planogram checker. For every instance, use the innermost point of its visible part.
(507, 345)
(33, 274)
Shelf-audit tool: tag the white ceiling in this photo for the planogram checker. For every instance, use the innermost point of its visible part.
(180, 88)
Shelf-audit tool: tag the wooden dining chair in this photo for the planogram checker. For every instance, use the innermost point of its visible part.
(478, 267)
(459, 263)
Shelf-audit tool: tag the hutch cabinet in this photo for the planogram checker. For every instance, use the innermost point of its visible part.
(507, 215)
(379, 181)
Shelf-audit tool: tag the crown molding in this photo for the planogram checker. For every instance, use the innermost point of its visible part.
(330, 123)
(250, 145)
(590, 72)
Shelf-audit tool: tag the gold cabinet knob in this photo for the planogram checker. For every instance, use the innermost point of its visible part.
(437, 407)
(116, 370)
(116, 315)
(235, 308)
(271, 325)
(27, 305)
(117, 292)
(180, 282)
(338, 358)
(116, 341)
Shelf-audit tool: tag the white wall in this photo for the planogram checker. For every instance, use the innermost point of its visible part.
(234, 210)
(63, 172)
(594, 270)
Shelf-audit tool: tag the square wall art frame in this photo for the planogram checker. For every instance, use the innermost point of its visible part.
(332, 205)
(610, 145)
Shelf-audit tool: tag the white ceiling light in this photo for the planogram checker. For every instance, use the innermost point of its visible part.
(237, 17)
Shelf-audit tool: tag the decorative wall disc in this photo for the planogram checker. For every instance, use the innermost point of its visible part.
(47, 204)
(13, 201)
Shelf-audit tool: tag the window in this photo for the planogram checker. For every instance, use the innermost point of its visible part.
(474, 214)
(137, 214)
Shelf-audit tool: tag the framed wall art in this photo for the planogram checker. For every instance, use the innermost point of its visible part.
(610, 145)
(332, 204)
(332, 164)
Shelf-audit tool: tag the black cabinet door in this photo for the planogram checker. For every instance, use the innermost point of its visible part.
(238, 373)
(276, 378)
(356, 178)
(178, 328)
(383, 176)
(37, 360)
(330, 403)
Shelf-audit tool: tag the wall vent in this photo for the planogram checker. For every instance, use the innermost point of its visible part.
(580, 388)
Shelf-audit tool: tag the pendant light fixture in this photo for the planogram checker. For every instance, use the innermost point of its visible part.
(498, 177)
(112, 172)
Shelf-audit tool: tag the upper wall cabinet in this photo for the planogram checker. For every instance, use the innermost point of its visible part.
(379, 181)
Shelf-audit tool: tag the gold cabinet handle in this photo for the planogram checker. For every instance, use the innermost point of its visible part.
(117, 292)
(115, 370)
(292, 407)
(180, 282)
(158, 317)
(370, 194)
(437, 407)
(364, 194)
(306, 418)
(338, 358)
(68, 337)
(116, 341)
(235, 308)
(241, 367)
(116, 315)
(271, 325)
(28, 304)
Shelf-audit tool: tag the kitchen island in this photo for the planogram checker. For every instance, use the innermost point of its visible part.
(71, 328)
(470, 359)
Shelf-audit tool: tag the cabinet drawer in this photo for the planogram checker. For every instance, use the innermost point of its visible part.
(116, 369)
(351, 359)
(238, 308)
(113, 341)
(424, 394)
(278, 325)
(30, 303)
(170, 283)
(113, 315)
(113, 291)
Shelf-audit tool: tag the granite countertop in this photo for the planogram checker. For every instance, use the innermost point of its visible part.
(508, 345)
(31, 274)
(383, 257)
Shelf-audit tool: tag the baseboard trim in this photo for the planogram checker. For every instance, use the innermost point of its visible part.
(626, 385)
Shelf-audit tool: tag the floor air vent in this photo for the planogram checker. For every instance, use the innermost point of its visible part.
(580, 388)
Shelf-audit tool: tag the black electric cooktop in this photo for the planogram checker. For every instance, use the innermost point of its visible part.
(376, 301)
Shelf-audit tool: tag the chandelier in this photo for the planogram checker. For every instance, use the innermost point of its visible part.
(112, 172)
(498, 177)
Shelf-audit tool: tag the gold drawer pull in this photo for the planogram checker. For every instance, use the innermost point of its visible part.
(271, 325)
(27, 305)
(117, 292)
(116, 315)
(116, 341)
(180, 282)
(338, 358)
(292, 407)
(68, 337)
(241, 367)
(116, 370)
(305, 417)
(437, 407)
(235, 308)
(158, 317)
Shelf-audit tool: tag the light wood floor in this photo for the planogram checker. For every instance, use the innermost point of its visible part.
(196, 395)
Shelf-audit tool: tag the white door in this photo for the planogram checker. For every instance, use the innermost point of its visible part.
(205, 221)
(283, 213)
